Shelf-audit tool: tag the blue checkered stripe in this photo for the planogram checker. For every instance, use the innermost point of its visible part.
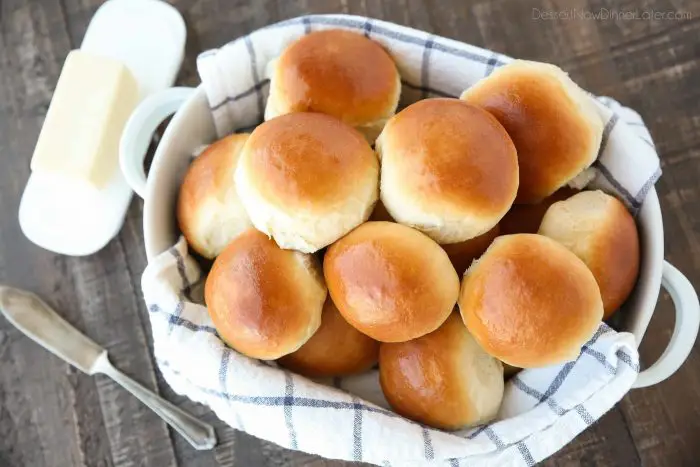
(458, 66)
(284, 400)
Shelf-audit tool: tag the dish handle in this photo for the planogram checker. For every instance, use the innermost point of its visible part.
(685, 301)
(139, 130)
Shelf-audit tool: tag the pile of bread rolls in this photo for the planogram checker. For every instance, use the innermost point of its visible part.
(440, 242)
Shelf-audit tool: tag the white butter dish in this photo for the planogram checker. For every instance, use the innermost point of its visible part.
(70, 215)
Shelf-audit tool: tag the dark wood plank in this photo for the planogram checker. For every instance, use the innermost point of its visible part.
(67, 418)
(657, 71)
(52, 415)
(45, 405)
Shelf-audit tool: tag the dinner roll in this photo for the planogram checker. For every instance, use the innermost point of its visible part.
(599, 230)
(530, 302)
(339, 73)
(554, 124)
(390, 282)
(449, 169)
(526, 218)
(307, 179)
(463, 253)
(443, 379)
(209, 212)
(265, 302)
(337, 349)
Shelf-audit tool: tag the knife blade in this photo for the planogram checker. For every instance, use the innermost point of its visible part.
(43, 325)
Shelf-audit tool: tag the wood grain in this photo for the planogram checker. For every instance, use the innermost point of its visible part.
(52, 415)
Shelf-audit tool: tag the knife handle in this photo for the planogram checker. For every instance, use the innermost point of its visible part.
(199, 434)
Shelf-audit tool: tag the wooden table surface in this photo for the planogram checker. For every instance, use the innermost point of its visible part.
(52, 415)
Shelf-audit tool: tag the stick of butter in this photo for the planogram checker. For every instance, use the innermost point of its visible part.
(94, 98)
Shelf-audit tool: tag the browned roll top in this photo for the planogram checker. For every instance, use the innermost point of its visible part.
(339, 73)
(443, 379)
(336, 349)
(448, 169)
(598, 229)
(530, 302)
(390, 282)
(265, 302)
(209, 212)
(554, 124)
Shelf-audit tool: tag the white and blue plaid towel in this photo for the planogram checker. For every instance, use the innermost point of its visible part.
(348, 418)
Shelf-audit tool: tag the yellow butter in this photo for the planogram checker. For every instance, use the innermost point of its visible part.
(93, 99)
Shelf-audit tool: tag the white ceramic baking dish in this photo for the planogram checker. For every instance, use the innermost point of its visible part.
(192, 126)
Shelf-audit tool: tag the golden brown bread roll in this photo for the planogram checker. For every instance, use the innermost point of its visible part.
(265, 302)
(443, 379)
(448, 169)
(530, 302)
(336, 349)
(526, 218)
(463, 253)
(339, 73)
(209, 212)
(554, 124)
(599, 230)
(390, 282)
(307, 179)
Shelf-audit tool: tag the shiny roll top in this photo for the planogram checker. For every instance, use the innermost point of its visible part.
(449, 169)
(554, 124)
(443, 379)
(307, 179)
(598, 229)
(209, 212)
(530, 302)
(390, 282)
(265, 302)
(339, 73)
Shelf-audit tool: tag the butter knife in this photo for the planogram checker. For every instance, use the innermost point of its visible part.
(39, 322)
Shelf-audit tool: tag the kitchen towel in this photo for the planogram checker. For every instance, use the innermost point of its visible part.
(348, 418)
